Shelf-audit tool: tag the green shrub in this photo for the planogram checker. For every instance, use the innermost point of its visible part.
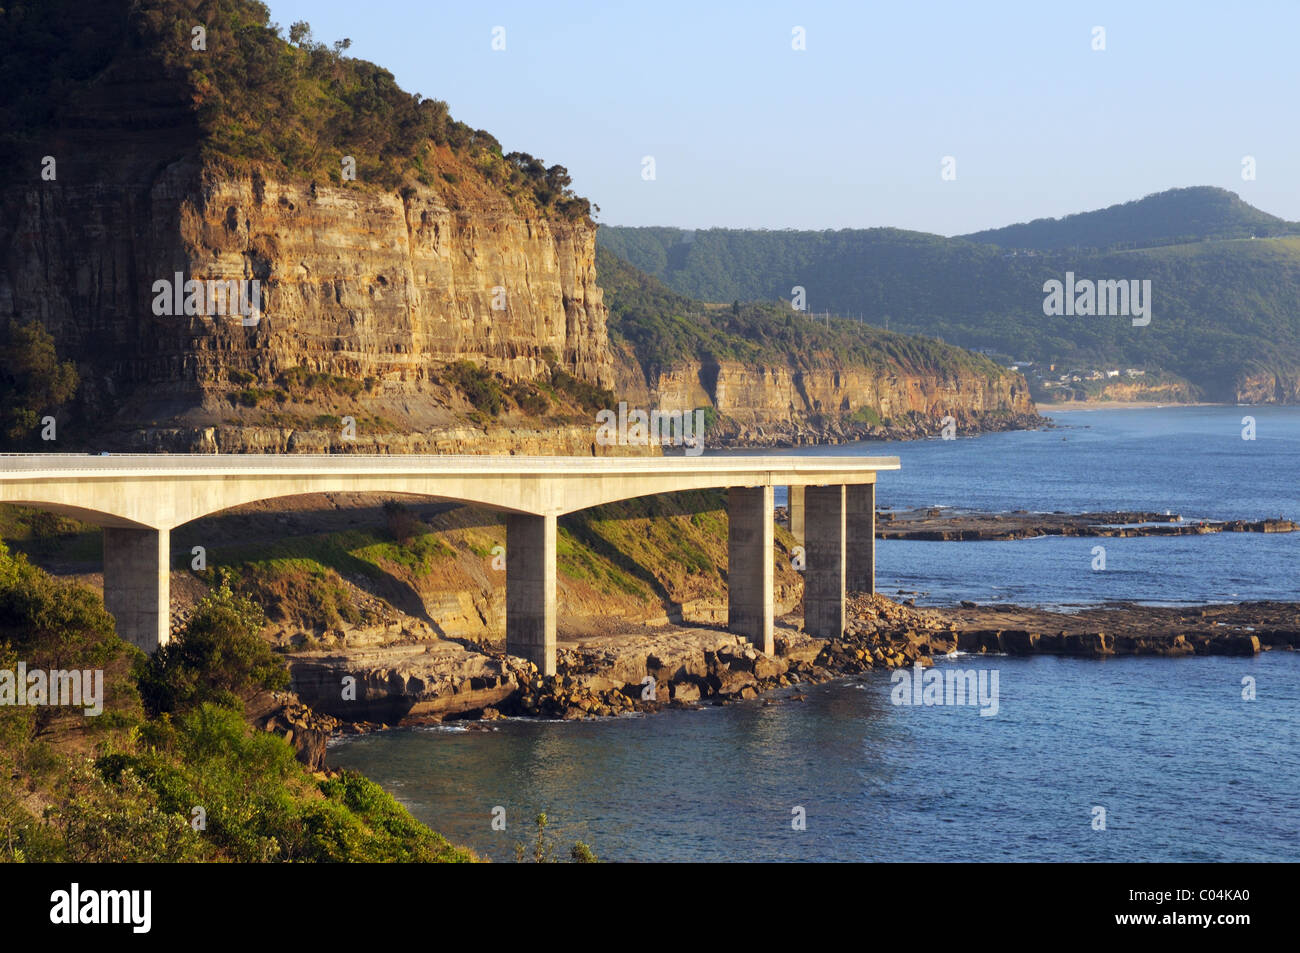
(590, 397)
(53, 624)
(136, 802)
(394, 835)
(258, 802)
(479, 386)
(252, 396)
(866, 415)
(543, 847)
(300, 381)
(402, 523)
(299, 589)
(218, 657)
(121, 822)
(529, 399)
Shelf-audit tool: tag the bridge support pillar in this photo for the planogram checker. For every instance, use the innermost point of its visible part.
(137, 585)
(796, 510)
(861, 537)
(750, 544)
(824, 572)
(530, 589)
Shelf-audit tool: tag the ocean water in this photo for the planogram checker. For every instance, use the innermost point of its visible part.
(1191, 461)
(1184, 768)
(1182, 765)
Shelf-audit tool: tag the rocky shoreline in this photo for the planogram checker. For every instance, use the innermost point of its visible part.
(677, 667)
(635, 671)
(834, 431)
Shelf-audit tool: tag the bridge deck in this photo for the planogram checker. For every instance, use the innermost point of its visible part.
(29, 465)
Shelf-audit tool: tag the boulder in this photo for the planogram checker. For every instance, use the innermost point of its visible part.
(685, 691)
(729, 681)
(767, 667)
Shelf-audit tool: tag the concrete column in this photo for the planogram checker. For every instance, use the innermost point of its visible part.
(750, 578)
(823, 586)
(861, 532)
(530, 589)
(796, 512)
(137, 584)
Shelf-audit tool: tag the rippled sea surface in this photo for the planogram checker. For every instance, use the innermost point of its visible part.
(1191, 461)
(1183, 766)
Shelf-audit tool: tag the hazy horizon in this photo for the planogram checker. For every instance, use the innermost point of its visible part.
(765, 228)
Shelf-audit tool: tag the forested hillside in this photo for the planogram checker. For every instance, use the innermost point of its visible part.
(663, 326)
(1225, 311)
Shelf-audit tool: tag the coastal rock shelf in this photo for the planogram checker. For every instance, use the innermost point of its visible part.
(612, 675)
(939, 524)
(1127, 629)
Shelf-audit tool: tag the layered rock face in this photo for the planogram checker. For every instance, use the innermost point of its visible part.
(1266, 387)
(375, 284)
(759, 395)
(354, 284)
(370, 286)
(765, 402)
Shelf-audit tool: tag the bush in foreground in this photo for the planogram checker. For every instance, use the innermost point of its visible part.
(194, 782)
(219, 657)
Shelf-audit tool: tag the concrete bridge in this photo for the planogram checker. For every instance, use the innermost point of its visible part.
(139, 499)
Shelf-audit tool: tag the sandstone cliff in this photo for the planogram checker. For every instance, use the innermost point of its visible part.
(776, 403)
(1268, 387)
(366, 286)
(769, 381)
(153, 158)
(446, 298)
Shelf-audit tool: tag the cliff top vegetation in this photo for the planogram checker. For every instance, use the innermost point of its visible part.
(263, 98)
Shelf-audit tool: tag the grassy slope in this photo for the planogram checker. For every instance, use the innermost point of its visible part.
(612, 560)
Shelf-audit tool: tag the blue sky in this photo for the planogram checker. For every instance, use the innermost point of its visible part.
(851, 132)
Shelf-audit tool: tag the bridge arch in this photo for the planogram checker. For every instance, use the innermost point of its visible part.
(95, 517)
(402, 495)
(140, 498)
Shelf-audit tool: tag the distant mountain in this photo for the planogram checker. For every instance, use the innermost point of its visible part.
(1225, 309)
(1174, 217)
